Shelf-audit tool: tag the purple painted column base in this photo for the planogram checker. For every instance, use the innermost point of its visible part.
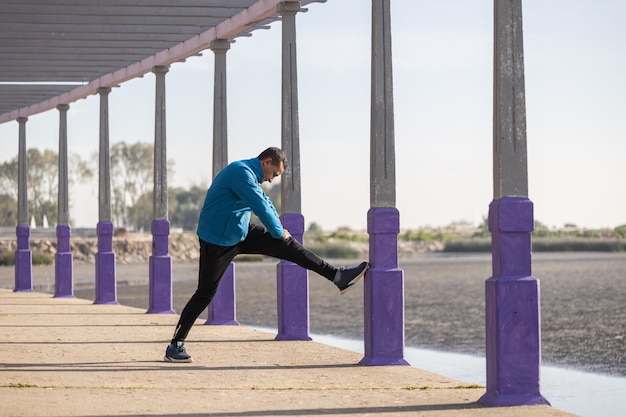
(222, 310)
(23, 260)
(384, 291)
(160, 270)
(292, 286)
(63, 263)
(512, 319)
(106, 288)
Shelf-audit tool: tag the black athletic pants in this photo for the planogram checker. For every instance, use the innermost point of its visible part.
(214, 260)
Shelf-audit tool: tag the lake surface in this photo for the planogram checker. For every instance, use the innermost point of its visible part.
(583, 306)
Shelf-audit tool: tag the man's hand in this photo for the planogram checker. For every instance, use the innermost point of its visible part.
(286, 234)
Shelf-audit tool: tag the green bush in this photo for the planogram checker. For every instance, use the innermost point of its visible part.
(620, 231)
(7, 259)
(346, 234)
(422, 235)
(249, 258)
(477, 244)
(334, 251)
(40, 258)
(578, 245)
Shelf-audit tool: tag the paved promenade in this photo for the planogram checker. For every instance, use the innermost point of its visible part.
(69, 357)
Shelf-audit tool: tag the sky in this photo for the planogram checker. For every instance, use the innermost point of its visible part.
(575, 63)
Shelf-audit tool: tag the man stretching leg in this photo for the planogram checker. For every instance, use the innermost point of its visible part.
(224, 230)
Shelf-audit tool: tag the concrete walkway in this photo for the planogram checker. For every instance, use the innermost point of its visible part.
(69, 357)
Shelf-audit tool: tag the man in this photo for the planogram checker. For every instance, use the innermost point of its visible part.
(224, 230)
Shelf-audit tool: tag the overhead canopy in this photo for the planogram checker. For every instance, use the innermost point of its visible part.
(56, 52)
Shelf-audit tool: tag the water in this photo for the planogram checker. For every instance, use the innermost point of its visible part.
(581, 393)
(582, 306)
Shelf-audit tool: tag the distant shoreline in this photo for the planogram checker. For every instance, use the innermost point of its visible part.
(183, 246)
(542, 244)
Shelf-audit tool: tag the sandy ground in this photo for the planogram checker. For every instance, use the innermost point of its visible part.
(582, 299)
(77, 358)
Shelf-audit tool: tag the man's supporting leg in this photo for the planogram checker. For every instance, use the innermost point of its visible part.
(213, 263)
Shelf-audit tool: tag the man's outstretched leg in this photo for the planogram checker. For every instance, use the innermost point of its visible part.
(259, 241)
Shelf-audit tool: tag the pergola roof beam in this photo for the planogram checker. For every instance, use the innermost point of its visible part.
(103, 44)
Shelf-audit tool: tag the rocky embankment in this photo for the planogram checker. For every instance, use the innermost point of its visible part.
(183, 247)
(128, 248)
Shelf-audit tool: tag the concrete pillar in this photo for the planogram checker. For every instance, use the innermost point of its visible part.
(512, 313)
(63, 259)
(63, 194)
(292, 280)
(106, 289)
(220, 109)
(384, 282)
(23, 254)
(104, 159)
(293, 289)
(223, 308)
(160, 263)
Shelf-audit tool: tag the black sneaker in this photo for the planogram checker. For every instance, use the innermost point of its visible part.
(346, 277)
(177, 353)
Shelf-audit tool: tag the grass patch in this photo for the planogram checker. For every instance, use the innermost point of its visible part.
(7, 259)
(578, 245)
(21, 385)
(249, 258)
(38, 258)
(334, 250)
(427, 387)
(477, 244)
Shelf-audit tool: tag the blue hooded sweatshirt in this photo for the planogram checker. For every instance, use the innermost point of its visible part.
(233, 195)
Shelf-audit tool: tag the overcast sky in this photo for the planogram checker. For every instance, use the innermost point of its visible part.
(575, 63)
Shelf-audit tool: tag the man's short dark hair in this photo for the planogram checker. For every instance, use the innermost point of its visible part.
(276, 154)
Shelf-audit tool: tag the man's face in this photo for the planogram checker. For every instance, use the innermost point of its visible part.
(270, 171)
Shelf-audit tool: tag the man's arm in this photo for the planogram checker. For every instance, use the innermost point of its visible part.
(245, 185)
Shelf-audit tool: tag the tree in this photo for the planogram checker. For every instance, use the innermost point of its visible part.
(541, 229)
(185, 206)
(483, 228)
(8, 178)
(132, 173)
(42, 182)
(79, 170)
(315, 233)
(43, 174)
(8, 210)
(140, 214)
